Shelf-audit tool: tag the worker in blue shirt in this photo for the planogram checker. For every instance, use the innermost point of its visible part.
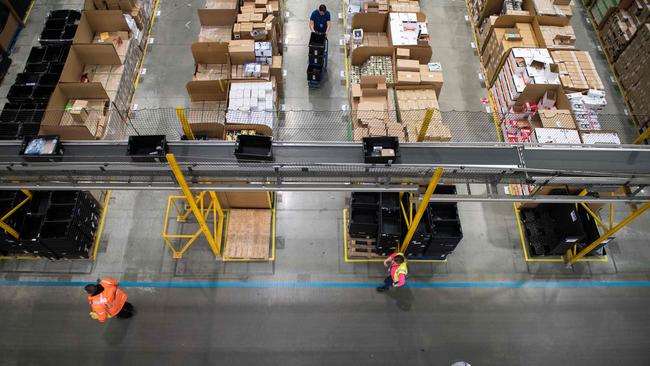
(320, 20)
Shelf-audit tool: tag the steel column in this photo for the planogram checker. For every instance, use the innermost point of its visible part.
(422, 207)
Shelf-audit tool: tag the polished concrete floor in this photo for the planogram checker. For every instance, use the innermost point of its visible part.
(310, 307)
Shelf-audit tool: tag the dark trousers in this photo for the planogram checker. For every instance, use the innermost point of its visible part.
(388, 282)
(127, 311)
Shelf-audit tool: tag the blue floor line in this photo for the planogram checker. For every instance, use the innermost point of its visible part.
(336, 284)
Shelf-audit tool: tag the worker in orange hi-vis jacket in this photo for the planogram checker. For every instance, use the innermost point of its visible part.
(107, 300)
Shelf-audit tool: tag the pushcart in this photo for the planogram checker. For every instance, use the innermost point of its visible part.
(317, 64)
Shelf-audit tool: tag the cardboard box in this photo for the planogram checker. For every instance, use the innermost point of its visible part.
(58, 121)
(408, 77)
(434, 78)
(94, 22)
(78, 111)
(402, 53)
(241, 51)
(407, 65)
(219, 12)
(557, 118)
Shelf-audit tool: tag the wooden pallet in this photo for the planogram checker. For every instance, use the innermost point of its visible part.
(362, 248)
(249, 234)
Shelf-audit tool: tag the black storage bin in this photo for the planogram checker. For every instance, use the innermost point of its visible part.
(64, 197)
(444, 189)
(20, 93)
(49, 79)
(50, 150)
(9, 112)
(314, 73)
(151, 148)
(447, 232)
(10, 131)
(56, 68)
(373, 145)
(316, 39)
(369, 200)
(27, 78)
(65, 14)
(390, 232)
(439, 211)
(38, 67)
(254, 147)
(364, 223)
(390, 203)
(316, 60)
(36, 55)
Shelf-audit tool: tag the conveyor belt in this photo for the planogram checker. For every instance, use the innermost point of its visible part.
(105, 164)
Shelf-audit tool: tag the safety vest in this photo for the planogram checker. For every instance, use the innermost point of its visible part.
(402, 269)
(109, 302)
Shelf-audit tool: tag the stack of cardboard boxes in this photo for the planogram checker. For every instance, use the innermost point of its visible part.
(413, 105)
(408, 29)
(577, 70)
(555, 37)
(376, 6)
(404, 6)
(251, 105)
(621, 26)
(633, 66)
(370, 108)
(503, 39)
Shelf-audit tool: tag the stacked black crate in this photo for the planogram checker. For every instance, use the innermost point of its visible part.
(70, 224)
(390, 224)
(364, 215)
(54, 225)
(317, 64)
(553, 229)
(9, 200)
(446, 230)
(421, 237)
(29, 95)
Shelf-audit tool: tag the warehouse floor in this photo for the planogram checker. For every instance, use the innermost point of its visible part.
(310, 307)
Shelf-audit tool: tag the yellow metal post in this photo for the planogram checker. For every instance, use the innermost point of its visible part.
(217, 205)
(187, 130)
(611, 213)
(171, 159)
(609, 233)
(422, 207)
(425, 124)
(592, 213)
(643, 136)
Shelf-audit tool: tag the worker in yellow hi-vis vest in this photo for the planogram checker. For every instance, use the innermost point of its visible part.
(397, 272)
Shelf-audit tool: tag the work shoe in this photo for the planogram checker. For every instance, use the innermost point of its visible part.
(381, 289)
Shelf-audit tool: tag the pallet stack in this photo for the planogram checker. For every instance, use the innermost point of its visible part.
(634, 73)
(54, 225)
(377, 226)
(31, 91)
(625, 37)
